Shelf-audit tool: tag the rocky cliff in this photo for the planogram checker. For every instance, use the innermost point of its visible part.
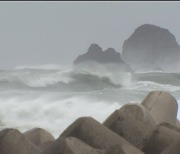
(151, 47)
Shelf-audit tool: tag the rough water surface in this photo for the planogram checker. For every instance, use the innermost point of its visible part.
(53, 97)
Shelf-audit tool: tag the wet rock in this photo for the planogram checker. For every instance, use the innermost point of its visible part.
(14, 142)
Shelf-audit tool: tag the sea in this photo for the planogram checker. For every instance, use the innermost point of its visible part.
(52, 96)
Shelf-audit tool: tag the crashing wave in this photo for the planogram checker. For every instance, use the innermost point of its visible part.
(76, 78)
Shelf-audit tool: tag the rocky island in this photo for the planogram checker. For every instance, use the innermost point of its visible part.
(151, 47)
(96, 55)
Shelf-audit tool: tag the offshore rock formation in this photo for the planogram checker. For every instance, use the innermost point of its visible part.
(95, 55)
(151, 47)
(149, 127)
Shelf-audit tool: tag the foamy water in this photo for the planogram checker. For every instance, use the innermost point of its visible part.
(53, 98)
(25, 110)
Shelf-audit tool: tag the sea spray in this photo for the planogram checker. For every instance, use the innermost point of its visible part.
(50, 111)
(53, 98)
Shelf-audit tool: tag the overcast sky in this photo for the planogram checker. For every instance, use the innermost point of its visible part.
(38, 33)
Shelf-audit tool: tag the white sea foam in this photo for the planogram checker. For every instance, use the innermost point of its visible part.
(149, 86)
(34, 97)
(44, 77)
(47, 110)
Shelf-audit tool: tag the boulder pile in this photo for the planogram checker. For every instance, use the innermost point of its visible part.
(149, 127)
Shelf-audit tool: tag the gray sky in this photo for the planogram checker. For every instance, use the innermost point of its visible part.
(37, 33)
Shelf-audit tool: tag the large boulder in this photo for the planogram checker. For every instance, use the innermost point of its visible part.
(14, 142)
(95, 135)
(135, 110)
(151, 47)
(95, 54)
(132, 123)
(162, 106)
(39, 137)
(131, 120)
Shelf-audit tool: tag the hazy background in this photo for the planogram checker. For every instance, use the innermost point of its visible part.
(38, 33)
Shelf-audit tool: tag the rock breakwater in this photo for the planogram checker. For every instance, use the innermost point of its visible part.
(149, 127)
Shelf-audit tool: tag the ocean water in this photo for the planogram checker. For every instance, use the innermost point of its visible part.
(52, 97)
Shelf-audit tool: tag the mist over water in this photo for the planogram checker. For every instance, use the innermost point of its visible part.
(52, 97)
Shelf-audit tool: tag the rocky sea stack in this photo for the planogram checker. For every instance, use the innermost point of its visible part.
(95, 54)
(151, 47)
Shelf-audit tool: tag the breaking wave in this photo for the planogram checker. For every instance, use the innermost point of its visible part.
(69, 79)
(52, 97)
(160, 77)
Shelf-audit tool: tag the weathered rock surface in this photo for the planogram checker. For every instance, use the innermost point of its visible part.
(116, 149)
(39, 137)
(160, 138)
(173, 148)
(98, 136)
(178, 123)
(136, 111)
(162, 106)
(130, 122)
(71, 145)
(151, 47)
(97, 55)
(14, 142)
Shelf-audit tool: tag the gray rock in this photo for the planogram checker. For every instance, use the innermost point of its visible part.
(130, 123)
(71, 145)
(162, 106)
(151, 47)
(14, 142)
(116, 149)
(98, 136)
(160, 138)
(174, 148)
(97, 55)
(137, 111)
(178, 123)
(39, 137)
